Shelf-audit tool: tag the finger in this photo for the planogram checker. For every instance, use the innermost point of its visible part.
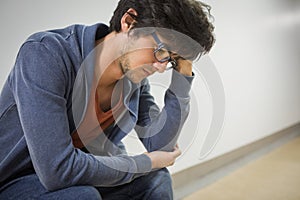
(183, 61)
(172, 163)
(176, 152)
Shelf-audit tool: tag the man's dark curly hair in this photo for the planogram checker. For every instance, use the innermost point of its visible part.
(189, 17)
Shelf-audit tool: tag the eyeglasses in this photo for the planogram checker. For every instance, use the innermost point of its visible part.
(162, 54)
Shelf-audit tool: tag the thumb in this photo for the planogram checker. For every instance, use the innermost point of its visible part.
(176, 152)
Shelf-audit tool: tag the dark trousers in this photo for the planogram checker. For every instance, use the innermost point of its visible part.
(155, 185)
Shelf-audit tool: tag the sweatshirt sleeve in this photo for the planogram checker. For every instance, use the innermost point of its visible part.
(160, 129)
(38, 82)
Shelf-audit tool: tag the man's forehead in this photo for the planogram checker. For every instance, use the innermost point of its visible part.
(174, 41)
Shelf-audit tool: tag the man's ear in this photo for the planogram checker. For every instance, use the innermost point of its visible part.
(128, 21)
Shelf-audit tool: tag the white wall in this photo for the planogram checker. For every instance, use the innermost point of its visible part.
(19, 19)
(256, 56)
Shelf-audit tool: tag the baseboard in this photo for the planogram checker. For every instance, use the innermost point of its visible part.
(194, 178)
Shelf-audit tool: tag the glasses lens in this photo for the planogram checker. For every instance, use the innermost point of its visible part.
(162, 55)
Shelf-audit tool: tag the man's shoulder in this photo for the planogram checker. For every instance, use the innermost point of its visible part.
(55, 36)
(58, 42)
(72, 39)
(54, 33)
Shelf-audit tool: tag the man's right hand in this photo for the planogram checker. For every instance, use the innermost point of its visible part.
(161, 159)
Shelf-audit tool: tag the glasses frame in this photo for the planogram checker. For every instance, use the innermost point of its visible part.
(161, 45)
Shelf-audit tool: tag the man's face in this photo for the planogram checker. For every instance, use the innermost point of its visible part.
(138, 61)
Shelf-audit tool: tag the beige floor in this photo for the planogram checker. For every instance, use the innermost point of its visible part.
(275, 176)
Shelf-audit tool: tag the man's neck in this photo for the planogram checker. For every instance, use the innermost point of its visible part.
(107, 69)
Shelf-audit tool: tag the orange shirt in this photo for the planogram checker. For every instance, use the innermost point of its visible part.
(95, 121)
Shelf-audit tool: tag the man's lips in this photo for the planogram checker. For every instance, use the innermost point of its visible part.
(149, 70)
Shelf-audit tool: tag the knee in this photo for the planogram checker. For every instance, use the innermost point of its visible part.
(161, 185)
(163, 177)
(88, 193)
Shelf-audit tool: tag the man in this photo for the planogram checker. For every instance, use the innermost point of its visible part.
(74, 93)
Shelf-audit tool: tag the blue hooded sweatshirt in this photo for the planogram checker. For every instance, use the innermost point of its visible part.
(44, 99)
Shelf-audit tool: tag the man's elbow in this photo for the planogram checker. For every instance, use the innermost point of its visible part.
(54, 181)
(52, 184)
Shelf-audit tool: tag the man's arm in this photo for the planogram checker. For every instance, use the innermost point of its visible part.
(159, 130)
(38, 82)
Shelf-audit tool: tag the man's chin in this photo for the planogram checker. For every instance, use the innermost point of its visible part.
(136, 81)
(138, 74)
(134, 78)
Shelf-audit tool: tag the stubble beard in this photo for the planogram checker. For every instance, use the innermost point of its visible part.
(124, 64)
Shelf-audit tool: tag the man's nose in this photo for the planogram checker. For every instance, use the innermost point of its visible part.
(161, 67)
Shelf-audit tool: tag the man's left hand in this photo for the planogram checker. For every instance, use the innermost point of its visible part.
(184, 67)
